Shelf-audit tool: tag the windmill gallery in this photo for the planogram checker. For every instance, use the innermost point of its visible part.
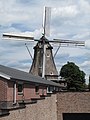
(21, 88)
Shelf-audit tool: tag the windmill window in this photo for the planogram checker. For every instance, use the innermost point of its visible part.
(48, 55)
(51, 73)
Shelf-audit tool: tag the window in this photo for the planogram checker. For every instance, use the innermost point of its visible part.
(20, 88)
(43, 91)
(48, 54)
(51, 73)
(37, 89)
(50, 89)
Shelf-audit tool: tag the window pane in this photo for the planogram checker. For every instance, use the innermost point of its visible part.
(36, 88)
(20, 87)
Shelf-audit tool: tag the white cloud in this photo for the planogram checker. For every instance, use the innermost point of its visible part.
(70, 20)
(81, 36)
(14, 12)
(36, 33)
(86, 67)
(85, 63)
(72, 51)
(87, 44)
(66, 11)
(84, 6)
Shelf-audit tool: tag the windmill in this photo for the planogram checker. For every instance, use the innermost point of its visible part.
(43, 62)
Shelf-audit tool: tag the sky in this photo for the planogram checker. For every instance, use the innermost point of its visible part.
(70, 19)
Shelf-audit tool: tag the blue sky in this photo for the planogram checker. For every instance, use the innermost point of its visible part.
(70, 19)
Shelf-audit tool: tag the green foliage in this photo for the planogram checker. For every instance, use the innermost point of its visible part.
(74, 76)
(89, 84)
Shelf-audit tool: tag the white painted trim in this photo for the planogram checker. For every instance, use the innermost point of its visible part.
(5, 76)
(14, 99)
(44, 60)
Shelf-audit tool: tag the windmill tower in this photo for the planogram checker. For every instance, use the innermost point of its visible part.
(37, 64)
(43, 62)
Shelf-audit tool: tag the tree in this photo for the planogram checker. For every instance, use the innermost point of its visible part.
(89, 83)
(74, 76)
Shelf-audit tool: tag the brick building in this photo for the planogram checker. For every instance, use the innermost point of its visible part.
(19, 87)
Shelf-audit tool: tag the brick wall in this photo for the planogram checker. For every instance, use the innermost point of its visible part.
(29, 91)
(42, 110)
(42, 90)
(52, 108)
(7, 91)
(10, 91)
(3, 89)
(72, 102)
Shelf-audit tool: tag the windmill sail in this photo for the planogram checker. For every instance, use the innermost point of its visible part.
(73, 42)
(17, 37)
(46, 21)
